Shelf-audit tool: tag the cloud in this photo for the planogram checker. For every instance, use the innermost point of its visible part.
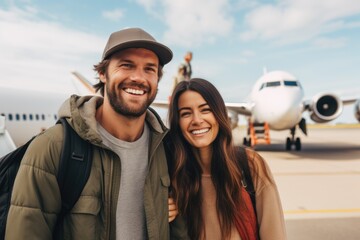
(114, 15)
(248, 53)
(42, 52)
(291, 21)
(191, 22)
(330, 42)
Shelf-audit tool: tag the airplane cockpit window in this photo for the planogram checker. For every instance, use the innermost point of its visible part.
(270, 84)
(290, 83)
(262, 86)
(273, 84)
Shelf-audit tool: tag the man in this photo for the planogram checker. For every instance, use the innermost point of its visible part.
(184, 70)
(185, 67)
(126, 195)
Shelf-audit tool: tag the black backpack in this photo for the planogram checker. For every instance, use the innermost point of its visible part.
(74, 170)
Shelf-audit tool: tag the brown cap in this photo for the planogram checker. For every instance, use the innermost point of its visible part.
(136, 38)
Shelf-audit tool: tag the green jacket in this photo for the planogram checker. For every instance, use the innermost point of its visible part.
(36, 200)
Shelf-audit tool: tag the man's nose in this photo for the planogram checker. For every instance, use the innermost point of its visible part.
(137, 74)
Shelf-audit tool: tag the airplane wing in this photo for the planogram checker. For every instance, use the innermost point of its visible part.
(6, 143)
(239, 108)
(327, 98)
(83, 85)
(347, 101)
(325, 107)
(243, 108)
(161, 104)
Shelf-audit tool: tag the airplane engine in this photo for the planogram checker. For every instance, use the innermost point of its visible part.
(325, 108)
(357, 110)
(234, 119)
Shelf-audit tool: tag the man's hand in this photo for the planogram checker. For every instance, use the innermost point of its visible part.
(173, 212)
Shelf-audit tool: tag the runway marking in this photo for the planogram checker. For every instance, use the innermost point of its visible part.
(305, 211)
(315, 173)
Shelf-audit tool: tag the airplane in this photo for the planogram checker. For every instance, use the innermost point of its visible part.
(277, 102)
(28, 112)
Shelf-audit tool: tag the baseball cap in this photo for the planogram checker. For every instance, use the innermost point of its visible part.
(136, 38)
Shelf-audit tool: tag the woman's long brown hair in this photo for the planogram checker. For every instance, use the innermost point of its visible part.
(186, 171)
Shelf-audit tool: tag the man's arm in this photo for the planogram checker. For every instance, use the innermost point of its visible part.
(35, 199)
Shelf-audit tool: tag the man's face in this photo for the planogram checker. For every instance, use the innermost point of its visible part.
(188, 57)
(131, 81)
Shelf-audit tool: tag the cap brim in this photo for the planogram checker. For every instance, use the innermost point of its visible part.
(163, 52)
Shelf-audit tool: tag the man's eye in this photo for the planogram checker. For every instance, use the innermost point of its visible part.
(150, 69)
(126, 65)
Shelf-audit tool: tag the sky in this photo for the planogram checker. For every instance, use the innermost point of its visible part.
(232, 41)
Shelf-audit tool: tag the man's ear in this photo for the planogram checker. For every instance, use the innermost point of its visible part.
(102, 77)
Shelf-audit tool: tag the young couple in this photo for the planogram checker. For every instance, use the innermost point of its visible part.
(127, 193)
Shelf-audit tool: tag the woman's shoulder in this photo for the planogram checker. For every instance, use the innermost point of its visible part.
(259, 168)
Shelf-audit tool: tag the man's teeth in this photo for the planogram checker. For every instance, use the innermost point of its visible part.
(200, 131)
(134, 91)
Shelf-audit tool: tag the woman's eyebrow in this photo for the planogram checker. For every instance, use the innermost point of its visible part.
(184, 108)
(203, 105)
(188, 108)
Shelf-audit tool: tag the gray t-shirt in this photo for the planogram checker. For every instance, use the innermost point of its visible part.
(130, 213)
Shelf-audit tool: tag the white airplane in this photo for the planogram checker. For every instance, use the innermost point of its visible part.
(28, 112)
(276, 102)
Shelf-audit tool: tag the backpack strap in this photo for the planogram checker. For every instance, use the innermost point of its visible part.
(247, 179)
(74, 167)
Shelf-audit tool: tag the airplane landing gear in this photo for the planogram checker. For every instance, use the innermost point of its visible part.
(247, 142)
(288, 144)
(293, 141)
(298, 144)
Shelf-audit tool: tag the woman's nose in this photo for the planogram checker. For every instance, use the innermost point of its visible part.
(197, 118)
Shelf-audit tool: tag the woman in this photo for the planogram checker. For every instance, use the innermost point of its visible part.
(206, 172)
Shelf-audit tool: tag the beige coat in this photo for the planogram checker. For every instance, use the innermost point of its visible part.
(269, 211)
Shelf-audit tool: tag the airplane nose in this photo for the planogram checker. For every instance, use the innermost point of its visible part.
(280, 111)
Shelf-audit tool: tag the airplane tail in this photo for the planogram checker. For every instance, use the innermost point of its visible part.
(265, 70)
(85, 85)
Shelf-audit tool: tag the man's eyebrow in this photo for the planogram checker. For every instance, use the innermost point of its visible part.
(121, 60)
(124, 60)
(152, 65)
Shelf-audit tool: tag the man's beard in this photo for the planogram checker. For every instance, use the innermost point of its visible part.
(120, 105)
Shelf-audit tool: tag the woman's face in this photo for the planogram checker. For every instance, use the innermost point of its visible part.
(197, 121)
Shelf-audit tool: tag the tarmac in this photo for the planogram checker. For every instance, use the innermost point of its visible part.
(319, 186)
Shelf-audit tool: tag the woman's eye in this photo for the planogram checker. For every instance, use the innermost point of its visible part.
(184, 114)
(206, 110)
